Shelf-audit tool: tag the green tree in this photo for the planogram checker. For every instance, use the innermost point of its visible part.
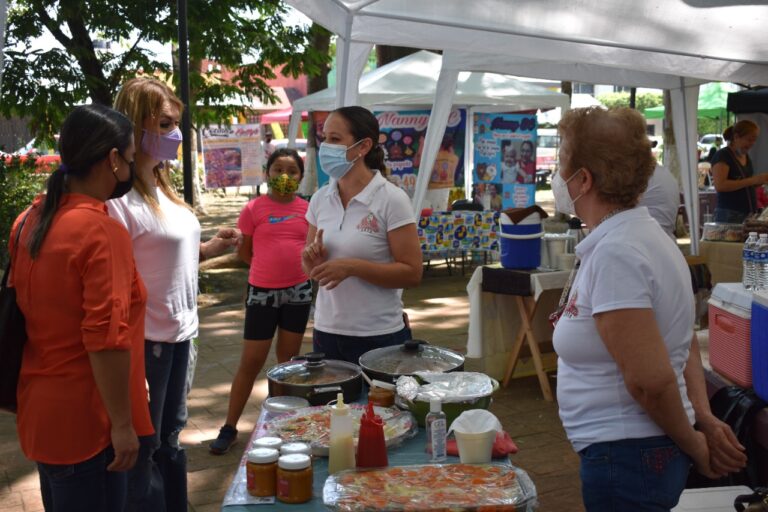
(621, 99)
(248, 38)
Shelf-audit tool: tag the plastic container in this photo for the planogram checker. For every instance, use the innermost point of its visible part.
(268, 442)
(452, 410)
(475, 448)
(293, 448)
(261, 472)
(730, 353)
(294, 478)
(722, 232)
(436, 431)
(371, 447)
(520, 243)
(759, 339)
(341, 449)
(432, 487)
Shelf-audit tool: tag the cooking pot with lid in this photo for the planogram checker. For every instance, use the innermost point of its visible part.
(316, 379)
(389, 363)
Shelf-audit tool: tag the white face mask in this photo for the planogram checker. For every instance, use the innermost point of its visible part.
(563, 201)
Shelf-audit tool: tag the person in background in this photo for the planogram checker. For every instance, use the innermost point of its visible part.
(734, 178)
(269, 147)
(279, 294)
(630, 381)
(81, 396)
(527, 162)
(662, 198)
(166, 241)
(362, 246)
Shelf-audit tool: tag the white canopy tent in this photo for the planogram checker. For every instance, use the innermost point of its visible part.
(667, 44)
(412, 81)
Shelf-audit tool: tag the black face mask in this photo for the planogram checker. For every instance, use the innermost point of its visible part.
(123, 187)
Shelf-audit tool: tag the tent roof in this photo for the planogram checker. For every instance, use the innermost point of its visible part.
(748, 101)
(712, 103)
(615, 41)
(412, 80)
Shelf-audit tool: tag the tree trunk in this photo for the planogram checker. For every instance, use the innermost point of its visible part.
(670, 146)
(387, 54)
(197, 195)
(321, 41)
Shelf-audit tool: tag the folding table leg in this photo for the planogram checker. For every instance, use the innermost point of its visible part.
(527, 308)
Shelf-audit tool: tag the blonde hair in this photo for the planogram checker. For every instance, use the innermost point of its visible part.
(142, 98)
(612, 144)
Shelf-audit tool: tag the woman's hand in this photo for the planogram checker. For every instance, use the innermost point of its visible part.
(126, 446)
(219, 244)
(701, 457)
(726, 454)
(331, 273)
(314, 253)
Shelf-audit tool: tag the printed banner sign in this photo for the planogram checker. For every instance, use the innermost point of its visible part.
(504, 160)
(233, 156)
(401, 136)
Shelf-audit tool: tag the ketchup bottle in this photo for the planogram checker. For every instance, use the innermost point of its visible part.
(371, 447)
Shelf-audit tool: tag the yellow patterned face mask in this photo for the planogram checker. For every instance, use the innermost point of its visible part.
(283, 184)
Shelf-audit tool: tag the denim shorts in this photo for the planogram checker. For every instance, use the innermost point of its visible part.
(641, 475)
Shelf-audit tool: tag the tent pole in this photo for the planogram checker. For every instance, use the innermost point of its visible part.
(186, 124)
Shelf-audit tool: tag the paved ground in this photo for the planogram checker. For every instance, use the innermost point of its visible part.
(439, 313)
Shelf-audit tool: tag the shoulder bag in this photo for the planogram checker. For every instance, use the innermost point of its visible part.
(13, 335)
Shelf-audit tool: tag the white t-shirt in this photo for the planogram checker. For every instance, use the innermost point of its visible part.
(167, 252)
(662, 198)
(626, 263)
(357, 307)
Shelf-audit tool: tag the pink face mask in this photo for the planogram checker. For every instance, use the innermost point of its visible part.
(161, 146)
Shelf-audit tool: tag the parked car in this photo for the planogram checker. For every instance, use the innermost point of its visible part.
(706, 142)
(547, 148)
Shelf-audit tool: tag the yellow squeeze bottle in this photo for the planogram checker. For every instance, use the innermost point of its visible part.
(341, 452)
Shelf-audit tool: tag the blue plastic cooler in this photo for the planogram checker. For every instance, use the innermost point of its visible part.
(521, 242)
(760, 343)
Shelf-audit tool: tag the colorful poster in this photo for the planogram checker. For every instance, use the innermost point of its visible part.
(233, 156)
(401, 135)
(504, 171)
(445, 232)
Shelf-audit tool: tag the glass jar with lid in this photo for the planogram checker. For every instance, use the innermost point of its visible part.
(261, 471)
(294, 478)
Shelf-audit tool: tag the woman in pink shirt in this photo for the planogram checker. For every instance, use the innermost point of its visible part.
(274, 231)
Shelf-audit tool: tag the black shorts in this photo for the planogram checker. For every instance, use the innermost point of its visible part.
(269, 308)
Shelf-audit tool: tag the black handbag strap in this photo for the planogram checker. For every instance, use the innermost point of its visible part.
(15, 249)
(760, 496)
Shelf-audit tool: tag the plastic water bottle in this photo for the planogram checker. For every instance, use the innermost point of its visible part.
(436, 430)
(761, 263)
(748, 262)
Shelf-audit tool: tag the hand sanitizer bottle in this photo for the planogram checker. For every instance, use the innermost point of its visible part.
(436, 431)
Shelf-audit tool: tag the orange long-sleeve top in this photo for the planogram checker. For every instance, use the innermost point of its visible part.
(81, 294)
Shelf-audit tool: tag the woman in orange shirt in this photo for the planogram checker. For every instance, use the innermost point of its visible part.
(81, 396)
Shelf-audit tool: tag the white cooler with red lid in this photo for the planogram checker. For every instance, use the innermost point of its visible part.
(730, 313)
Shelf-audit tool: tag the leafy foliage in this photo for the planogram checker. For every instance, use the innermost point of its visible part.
(19, 184)
(249, 38)
(643, 100)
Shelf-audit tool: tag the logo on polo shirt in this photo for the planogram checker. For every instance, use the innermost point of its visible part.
(571, 311)
(274, 219)
(369, 224)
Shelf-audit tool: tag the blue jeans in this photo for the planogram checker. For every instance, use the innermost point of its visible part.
(350, 348)
(158, 482)
(641, 475)
(86, 485)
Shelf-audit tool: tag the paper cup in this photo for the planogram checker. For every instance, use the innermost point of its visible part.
(475, 448)
(566, 261)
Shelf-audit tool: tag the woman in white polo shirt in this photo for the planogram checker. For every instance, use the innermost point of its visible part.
(362, 246)
(630, 383)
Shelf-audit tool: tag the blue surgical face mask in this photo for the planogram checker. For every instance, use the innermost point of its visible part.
(333, 159)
